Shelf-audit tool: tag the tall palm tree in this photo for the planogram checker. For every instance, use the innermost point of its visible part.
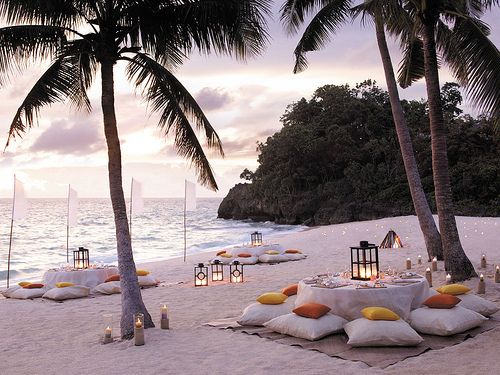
(328, 19)
(454, 30)
(152, 38)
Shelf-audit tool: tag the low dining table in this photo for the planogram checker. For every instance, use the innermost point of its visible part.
(90, 277)
(398, 295)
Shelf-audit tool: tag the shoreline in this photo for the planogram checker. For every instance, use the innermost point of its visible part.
(51, 337)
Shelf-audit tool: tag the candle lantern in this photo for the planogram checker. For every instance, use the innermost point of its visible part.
(448, 279)
(200, 275)
(364, 261)
(236, 272)
(217, 270)
(81, 258)
(108, 328)
(256, 238)
(164, 323)
(139, 329)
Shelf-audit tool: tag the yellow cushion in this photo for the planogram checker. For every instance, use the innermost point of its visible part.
(226, 255)
(142, 273)
(379, 313)
(453, 289)
(23, 283)
(64, 284)
(272, 298)
(272, 252)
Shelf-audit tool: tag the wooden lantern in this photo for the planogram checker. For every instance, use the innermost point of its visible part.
(217, 270)
(200, 275)
(256, 238)
(364, 261)
(81, 258)
(236, 272)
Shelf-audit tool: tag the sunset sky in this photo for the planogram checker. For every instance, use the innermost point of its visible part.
(243, 101)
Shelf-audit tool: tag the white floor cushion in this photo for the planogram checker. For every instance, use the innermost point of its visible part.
(8, 292)
(251, 260)
(478, 304)
(306, 328)
(147, 280)
(110, 287)
(294, 256)
(257, 313)
(273, 258)
(444, 322)
(365, 332)
(70, 292)
(23, 293)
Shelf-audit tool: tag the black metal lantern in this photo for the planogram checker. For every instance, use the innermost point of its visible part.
(256, 238)
(217, 270)
(200, 275)
(81, 258)
(236, 272)
(364, 261)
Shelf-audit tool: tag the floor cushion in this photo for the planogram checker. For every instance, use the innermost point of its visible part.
(147, 280)
(290, 290)
(311, 310)
(8, 292)
(454, 289)
(247, 260)
(257, 313)
(273, 258)
(110, 287)
(112, 278)
(442, 301)
(444, 322)
(293, 251)
(379, 313)
(478, 304)
(306, 328)
(365, 332)
(70, 292)
(294, 256)
(272, 298)
(26, 293)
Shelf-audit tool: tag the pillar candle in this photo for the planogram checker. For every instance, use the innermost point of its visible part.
(428, 276)
(497, 275)
(108, 335)
(483, 261)
(164, 317)
(419, 259)
(139, 332)
(434, 264)
(408, 264)
(448, 279)
(481, 287)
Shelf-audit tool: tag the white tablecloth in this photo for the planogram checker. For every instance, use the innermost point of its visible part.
(88, 277)
(348, 301)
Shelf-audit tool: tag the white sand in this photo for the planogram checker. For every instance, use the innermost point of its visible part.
(44, 337)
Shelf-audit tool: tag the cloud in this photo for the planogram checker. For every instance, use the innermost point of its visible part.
(210, 99)
(80, 138)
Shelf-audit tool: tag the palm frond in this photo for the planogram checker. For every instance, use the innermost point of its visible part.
(21, 45)
(327, 21)
(178, 109)
(475, 62)
(59, 82)
(294, 12)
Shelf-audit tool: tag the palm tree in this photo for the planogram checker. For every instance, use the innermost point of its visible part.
(454, 29)
(327, 20)
(152, 38)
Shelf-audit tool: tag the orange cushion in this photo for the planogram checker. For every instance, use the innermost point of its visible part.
(244, 255)
(112, 278)
(441, 301)
(221, 252)
(293, 251)
(311, 310)
(290, 290)
(33, 286)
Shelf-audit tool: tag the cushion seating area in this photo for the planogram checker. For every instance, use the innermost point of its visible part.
(27, 293)
(365, 332)
(70, 292)
(478, 304)
(273, 258)
(110, 287)
(306, 328)
(257, 313)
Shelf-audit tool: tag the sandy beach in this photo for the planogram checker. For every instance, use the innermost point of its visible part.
(45, 337)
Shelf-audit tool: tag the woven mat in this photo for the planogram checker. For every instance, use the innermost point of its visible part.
(336, 345)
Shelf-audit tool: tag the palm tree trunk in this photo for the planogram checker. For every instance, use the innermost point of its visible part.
(455, 260)
(427, 225)
(131, 295)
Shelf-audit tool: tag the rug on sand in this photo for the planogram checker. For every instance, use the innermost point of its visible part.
(336, 345)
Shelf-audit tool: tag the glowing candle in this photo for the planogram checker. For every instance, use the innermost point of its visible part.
(448, 279)
(108, 331)
(483, 261)
(419, 259)
(497, 274)
(481, 287)
(408, 264)
(139, 329)
(428, 276)
(164, 317)
(434, 264)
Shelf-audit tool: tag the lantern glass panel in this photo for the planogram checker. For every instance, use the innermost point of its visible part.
(256, 238)
(217, 270)
(236, 272)
(364, 261)
(81, 258)
(200, 275)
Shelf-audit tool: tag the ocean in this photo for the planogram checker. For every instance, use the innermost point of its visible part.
(39, 239)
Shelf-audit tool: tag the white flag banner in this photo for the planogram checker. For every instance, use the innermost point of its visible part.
(20, 205)
(72, 207)
(136, 198)
(190, 198)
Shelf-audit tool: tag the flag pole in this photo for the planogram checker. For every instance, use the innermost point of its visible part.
(67, 226)
(11, 226)
(185, 240)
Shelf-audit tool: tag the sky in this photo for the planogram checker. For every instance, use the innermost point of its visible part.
(243, 101)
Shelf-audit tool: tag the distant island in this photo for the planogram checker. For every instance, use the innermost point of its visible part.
(337, 159)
